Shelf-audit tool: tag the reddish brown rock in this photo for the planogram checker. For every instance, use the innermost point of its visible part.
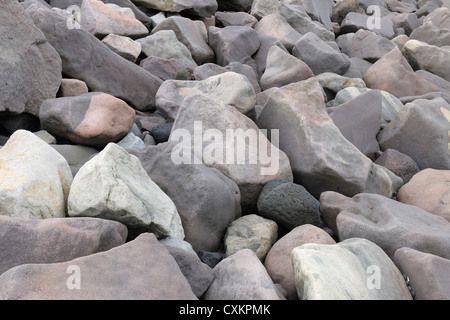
(400, 164)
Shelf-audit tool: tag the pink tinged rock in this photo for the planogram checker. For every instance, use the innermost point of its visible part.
(72, 88)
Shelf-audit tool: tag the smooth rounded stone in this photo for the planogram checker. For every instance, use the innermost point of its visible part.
(35, 179)
(353, 269)
(435, 29)
(278, 261)
(310, 139)
(168, 69)
(86, 58)
(365, 44)
(233, 43)
(31, 68)
(418, 54)
(24, 241)
(206, 200)
(210, 258)
(100, 20)
(335, 82)
(147, 123)
(288, 204)
(400, 164)
(232, 88)
(124, 46)
(162, 132)
(428, 189)
(388, 223)
(75, 155)
(400, 41)
(320, 56)
(192, 34)
(72, 88)
(239, 149)
(275, 25)
(45, 136)
(109, 275)
(251, 232)
(427, 273)
(392, 73)
(235, 19)
(93, 119)
(282, 68)
(198, 274)
(420, 130)
(131, 141)
(241, 276)
(200, 8)
(354, 21)
(113, 185)
(359, 121)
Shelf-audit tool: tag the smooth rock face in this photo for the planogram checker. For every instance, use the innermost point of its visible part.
(93, 119)
(153, 275)
(113, 185)
(55, 240)
(31, 68)
(75, 155)
(428, 273)
(429, 189)
(354, 269)
(388, 223)
(241, 276)
(308, 136)
(354, 21)
(35, 179)
(72, 88)
(123, 46)
(435, 29)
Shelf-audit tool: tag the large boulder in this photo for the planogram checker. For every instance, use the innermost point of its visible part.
(201, 8)
(435, 29)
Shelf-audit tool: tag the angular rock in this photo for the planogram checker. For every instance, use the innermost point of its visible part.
(354, 269)
(388, 223)
(35, 179)
(113, 185)
(124, 46)
(235, 19)
(261, 8)
(443, 84)
(278, 261)
(232, 88)
(435, 29)
(72, 88)
(420, 130)
(428, 273)
(344, 7)
(308, 136)
(169, 69)
(86, 58)
(93, 119)
(282, 69)
(334, 83)
(400, 164)
(201, 8)
(31, 68)
(131, 141)
(241, 276)
(153, 275)
(260, 57)
(75, 155)
(251, 232)
(162, 132)
(354, 21)
(429, 189)
(209, 200)
(319, 56)
(358, 67)
(320, 11)
(55, 240)
(248, 164)
(392, 73)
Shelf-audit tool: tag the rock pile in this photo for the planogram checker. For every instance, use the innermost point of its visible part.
(224, 149)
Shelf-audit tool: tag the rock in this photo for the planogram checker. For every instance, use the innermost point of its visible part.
(230, 87)
(75, 155)
(319, 56)
(430, 118)
(388, 223)
(435, 29)
(153, 275)
(55, 240)
(358, 67)
(288, 204)
(335, 83)
(427, 273)
(168, 69)
(278, 261)
(400, 164)
(344, 7)
(442, 84)
(35, 179)
(204, 8)
(354, 21)
(124, 46)
(72, 88)
(282, 69)
(241, 276)
(100, 20)
(235, 19)
(192, 34)
(93, 119)
(251, 232)
(261, 8)
(228, 153)
(210, 202)
(210, 258)
(320, 11)
(348, 270)
(246, 71)
(298, 111)
(359, 121)
(162, 132)
(235, 5)
(406, 21)
(417, 53)
(45, 136)
(131, 141)
(123, 192)
(147, 123)
(429, 190)
(392, 73)
(31, 68)
(86, 58)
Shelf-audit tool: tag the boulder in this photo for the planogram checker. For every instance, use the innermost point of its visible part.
(400, 164)
(124, 46)
(435, 29)
(201, 8)
(72, 88)
(354, 21)
(75, 155)
(235, 19)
